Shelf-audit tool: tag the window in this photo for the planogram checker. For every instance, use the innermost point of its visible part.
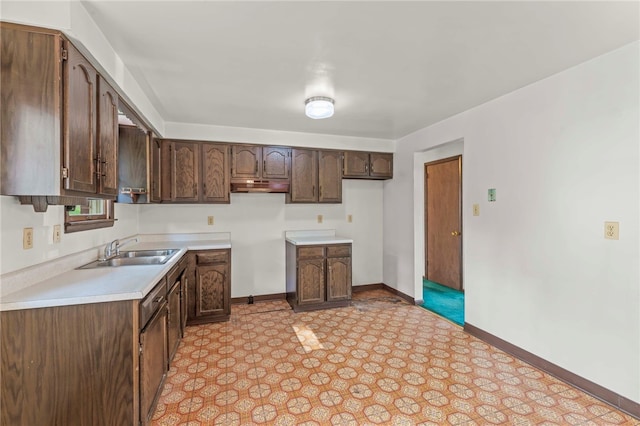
(95, 214)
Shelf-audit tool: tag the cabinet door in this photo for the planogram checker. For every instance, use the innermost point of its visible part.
(185, 171)
(184, 286)
(173, 320)
(330, 177)
(107, 139)
(80, 156)
(338, 278)
(356, 164)
(381, 165)
(153, 362)
(311, 284)
(275, 162)
(215, 167)
(212, 290)
(304, 176)
(154, 162)
(246, 161)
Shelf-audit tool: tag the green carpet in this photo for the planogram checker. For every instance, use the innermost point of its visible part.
(444, 301)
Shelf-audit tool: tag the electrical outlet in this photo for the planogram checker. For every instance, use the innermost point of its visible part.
(349, 218)
(319, 218)
(27, 238)
(209, 220)
(476, 209)
(56, 233)
(612, 230)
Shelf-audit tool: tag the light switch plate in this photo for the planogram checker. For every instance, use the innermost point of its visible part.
(476, 209)
(349, 218)
(319, 218)
(209, 220)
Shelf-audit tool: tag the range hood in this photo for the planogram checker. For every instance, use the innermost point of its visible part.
(252, 185)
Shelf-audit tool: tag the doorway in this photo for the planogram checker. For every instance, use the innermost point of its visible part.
(443, 222)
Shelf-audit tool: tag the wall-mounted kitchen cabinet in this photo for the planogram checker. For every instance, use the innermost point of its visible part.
(316, 176)
(260, 168)
(132, 164)
(367, 165)
(194, 172)
(59, 128)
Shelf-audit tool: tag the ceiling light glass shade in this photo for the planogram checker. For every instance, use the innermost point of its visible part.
(318, 107)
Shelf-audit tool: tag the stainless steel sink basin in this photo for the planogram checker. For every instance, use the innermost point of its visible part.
(133, 258)
(146, 253)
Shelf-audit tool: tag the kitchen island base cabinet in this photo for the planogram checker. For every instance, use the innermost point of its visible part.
(318, 276)
(209, 291)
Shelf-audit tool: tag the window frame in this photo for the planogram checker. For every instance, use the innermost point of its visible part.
(76, 223)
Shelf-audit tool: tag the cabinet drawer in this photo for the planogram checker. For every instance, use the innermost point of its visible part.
(339, 251)
(212, 257)
(151, 302)
(310, 252)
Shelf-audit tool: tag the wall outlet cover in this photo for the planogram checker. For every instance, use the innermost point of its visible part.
(57, 233)
(612, 230)
(319, 218)
(209, 220)
(27, 238)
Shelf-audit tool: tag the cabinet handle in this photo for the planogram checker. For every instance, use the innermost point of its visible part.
(256, 166)
(366, 168)
(320, 191)
(371, 168)
(264, 167)
(314, 191)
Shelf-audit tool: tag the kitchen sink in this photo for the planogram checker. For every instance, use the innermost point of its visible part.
(134, 258)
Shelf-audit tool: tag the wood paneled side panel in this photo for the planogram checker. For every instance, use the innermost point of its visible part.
(80, 115)
(311, 281)
(246, 161)
(275, 162)
(58, 365)
(381, 165)
(108, 139)
(185, 171)
(132, 152)
(155, 164)
(211, 290)
(29, 93)
(330, 177)
(356, 164)
(215, 173)
(173, 320)
(304, 176)
(338, 278)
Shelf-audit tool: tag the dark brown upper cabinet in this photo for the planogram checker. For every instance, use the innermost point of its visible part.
(260, 162)
(197, 172)
(132, 164)
(59, 120)
(367, 165)
(316, 176)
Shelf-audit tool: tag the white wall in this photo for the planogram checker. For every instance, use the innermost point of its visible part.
(563, 154)
(257, 223)
(14, 217)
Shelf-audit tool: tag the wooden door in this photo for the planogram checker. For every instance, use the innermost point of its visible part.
(443, 227)
(338, 278)
(108, 139)
(275, 162)
(155, 172)
(304, 176)
(211, 290)
(246, 161)
(173, 320)
(330, 177)
(215, 168)
(311, 281)
(80, 156)
(185, 171)
(356, 164)
(381, 165)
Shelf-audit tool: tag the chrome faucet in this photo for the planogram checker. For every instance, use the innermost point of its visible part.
(110, 251)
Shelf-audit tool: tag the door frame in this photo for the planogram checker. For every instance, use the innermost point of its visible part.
(425, 210)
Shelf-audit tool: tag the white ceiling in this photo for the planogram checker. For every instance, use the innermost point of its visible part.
(392, 67)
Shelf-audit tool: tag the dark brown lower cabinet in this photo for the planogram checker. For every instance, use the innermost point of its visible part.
(318, 276)
(93, 364)
(209, 290)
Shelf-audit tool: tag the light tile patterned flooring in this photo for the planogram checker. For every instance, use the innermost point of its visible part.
(380, 361)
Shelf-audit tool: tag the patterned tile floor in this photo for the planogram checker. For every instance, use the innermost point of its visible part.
(380, 361)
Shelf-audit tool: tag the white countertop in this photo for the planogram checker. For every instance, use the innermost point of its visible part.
(308, 238)
(107, 284)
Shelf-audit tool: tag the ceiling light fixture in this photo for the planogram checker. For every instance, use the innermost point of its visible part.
(318, 107)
